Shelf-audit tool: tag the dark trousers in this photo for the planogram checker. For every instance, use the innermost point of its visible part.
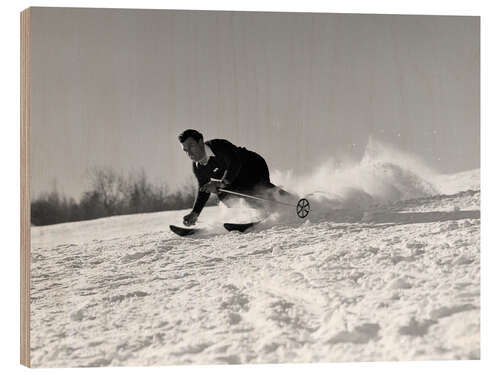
(253, 178)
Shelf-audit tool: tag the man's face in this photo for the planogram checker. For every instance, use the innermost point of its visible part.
(195, 150)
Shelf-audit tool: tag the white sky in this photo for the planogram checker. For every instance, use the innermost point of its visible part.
(115, 87)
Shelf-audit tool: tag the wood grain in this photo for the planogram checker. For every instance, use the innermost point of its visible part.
(25, 188)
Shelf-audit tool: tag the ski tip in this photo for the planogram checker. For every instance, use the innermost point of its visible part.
(239, 227)
(180, 231)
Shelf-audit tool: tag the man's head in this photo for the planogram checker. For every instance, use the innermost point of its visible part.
(192, 144)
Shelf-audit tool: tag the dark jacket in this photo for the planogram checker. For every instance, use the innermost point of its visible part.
(226, 165)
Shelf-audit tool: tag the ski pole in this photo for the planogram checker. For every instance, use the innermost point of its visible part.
(253, 197)
(302, 207)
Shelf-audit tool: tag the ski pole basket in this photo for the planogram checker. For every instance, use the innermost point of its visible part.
(303, 208)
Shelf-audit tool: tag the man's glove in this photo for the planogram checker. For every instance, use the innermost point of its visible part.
(190, 219)
(212, 186)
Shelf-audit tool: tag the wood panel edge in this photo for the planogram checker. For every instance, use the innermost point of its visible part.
(25, 243)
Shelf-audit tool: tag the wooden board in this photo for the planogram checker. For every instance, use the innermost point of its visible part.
(25, 189)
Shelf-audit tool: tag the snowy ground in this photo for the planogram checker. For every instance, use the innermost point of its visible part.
(400, 281)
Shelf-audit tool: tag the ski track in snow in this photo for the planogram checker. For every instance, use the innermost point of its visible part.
(401, 283)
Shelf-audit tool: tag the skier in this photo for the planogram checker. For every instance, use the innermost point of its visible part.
(218, 164)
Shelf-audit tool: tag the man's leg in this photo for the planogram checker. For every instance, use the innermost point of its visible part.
(254, 180)
(254, 175)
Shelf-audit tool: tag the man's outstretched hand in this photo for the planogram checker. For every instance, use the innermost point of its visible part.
(212, 186)
(190, 219)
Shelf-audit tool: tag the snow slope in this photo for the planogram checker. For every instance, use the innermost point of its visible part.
(384, 281)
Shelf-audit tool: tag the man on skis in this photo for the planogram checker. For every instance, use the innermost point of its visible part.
(218, 164)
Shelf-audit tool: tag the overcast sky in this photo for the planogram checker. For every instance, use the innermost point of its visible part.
(115, 87)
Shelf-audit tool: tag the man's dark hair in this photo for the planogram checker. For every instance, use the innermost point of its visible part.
(190, 133)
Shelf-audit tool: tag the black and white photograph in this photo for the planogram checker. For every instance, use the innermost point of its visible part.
(230, 187)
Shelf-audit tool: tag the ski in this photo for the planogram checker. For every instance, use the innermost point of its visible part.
(183, 232)
(239, 227)
(180, 231)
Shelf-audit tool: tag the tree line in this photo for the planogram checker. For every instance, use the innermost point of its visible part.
(110, 194)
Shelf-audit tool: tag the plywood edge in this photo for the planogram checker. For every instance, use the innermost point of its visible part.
(25, 189)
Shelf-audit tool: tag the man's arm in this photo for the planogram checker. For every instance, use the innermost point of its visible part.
(202, 196)
(231, 157)
(201, 200)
